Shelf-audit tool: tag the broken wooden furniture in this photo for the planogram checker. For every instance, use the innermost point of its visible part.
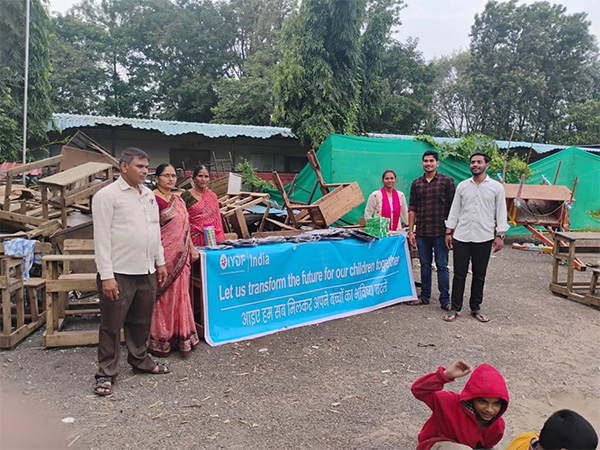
(74, 185)
(325, 211)
(30, 309)
(325, 187)
(11, 285)
(232, 207)
(229, 183)
(58, 285)
(81, 149)
(542, 205)
(22, 208)
(296, 216)
(592, 297)
(579, 244)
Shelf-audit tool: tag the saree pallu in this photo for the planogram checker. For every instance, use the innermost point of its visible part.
(203, 212)
(173, 324)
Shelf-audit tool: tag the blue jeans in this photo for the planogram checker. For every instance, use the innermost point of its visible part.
(428, 247)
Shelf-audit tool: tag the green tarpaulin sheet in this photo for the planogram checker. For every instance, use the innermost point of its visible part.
(353, 158)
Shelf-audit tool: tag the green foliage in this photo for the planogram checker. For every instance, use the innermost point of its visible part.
(249, 176)
(581, 125)
(403, 105)
(317, 84)
(528, 63)
(12, 76)
(466, 146)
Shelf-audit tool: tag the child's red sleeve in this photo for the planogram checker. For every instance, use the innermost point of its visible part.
(426, 387)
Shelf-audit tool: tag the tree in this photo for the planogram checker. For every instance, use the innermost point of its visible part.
(12, 76)
(467, 145)
(581, 124)
(330, 79)
(452, 103)
(407, 94)
(246, 96)
(78, 79)
(197, 52)
(528, 64)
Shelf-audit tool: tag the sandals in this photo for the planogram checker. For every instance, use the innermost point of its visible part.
(103, 386)
(417, 302)
(161, 370)
(480, 316)
(451, 316)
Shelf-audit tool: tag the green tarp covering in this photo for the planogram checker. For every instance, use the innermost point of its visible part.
(353, 158)
(575, 163)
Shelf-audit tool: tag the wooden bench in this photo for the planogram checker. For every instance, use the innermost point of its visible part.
(74, 185)
(31, 312)
(578, 245)
(58, 286)
(592, 297)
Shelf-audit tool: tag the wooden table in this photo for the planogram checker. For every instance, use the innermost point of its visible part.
(74, 185)
(580, 291)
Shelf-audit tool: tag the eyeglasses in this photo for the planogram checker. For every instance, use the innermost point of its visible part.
(168, 175)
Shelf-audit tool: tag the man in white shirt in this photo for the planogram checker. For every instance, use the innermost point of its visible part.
(130, 261)
(476, 224)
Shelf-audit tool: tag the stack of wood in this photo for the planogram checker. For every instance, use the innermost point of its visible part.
(22, 208)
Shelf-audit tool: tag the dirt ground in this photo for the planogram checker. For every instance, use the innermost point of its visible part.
(343, 384)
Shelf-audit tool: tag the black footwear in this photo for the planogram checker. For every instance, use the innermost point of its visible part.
(103, 386)
(161, 370)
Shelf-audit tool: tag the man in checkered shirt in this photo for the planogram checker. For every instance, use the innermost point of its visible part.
(429, 203)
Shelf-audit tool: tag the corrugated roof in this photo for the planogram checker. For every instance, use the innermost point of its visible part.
(538, 148)
(171, 127)
(214, 130)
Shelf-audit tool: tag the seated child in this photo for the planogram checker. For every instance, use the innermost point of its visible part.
(564, 430)
(471, 419)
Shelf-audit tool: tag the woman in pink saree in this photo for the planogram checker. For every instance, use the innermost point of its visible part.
(173, 326)
(203, 206)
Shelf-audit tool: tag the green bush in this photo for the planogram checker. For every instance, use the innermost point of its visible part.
(463, 149)
(249, 176)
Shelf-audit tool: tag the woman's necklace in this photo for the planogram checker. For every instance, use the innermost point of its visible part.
(167, 197)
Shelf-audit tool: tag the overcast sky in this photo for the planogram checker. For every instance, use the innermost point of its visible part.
(442, 26)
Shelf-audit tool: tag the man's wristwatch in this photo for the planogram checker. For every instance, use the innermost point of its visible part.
(501, 236)
(449, 234)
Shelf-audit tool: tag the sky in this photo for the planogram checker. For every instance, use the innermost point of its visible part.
(441, 26)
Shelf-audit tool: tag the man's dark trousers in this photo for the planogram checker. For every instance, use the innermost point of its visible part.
(478, 253)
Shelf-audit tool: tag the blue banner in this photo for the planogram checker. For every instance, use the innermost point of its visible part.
(254, 291)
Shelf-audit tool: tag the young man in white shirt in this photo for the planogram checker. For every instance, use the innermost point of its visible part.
(476, 224)
(130, 261)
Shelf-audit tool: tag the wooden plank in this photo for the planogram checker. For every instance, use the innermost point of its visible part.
(21, 218)
(80, 312)
(338, 203)
(71, 285)
(578, 235)
(35, 165)
(78, 245)
(73, 338)
(76, 156)
(76, 173)
(54, 258)
(12, 339)
(82, 193)
(538, 192)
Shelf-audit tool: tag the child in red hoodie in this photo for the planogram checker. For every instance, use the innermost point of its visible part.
(469, 420)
